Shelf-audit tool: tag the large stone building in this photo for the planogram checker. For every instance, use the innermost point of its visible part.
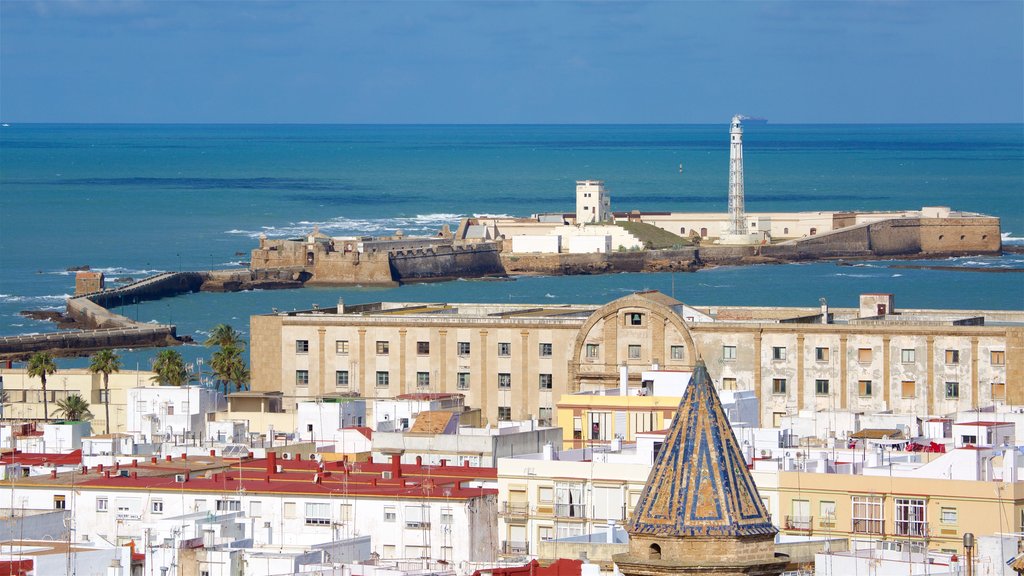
(515, 361)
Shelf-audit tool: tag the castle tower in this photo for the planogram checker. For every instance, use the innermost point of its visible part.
(593, 203)
(700, 513)
(737, 214)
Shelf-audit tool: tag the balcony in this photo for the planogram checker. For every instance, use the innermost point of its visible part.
(516, 509)
(800, 523)
(570, 511)
(512, 548)
(912, 528)
(417, 525)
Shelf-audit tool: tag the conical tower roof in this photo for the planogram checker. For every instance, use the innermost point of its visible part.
(700, 484)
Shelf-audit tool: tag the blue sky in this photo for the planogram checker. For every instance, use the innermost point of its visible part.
(511, 62)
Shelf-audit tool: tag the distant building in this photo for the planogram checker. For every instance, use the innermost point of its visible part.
(593, 202)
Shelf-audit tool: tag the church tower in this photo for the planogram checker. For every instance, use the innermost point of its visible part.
(700, 513)
(737, 214)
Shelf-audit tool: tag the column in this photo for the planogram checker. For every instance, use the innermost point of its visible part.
(844, 391)
(480, 378)
(886, 370)
(401, 361)
(800, 372)
(360, 371)
(321, 384)
(974, 373)
(757, 376)
(930, 385)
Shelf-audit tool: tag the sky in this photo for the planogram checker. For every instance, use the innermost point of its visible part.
(916, 61)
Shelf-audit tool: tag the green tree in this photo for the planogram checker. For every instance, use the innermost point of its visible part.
(105, 362)
(74, 407)
(224, 335)
(169, 368)
(240, 376)
(226, 364)
(41, 364)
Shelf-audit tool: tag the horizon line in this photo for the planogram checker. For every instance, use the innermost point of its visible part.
(758, 122)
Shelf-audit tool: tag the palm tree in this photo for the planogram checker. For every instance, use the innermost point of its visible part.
(170, 370)
(41, 364)
(239, 375)
(74, 408)
(224, 335)
(225, 364)
(105, 362)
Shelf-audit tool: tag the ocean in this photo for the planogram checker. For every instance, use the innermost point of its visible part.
(132, 200)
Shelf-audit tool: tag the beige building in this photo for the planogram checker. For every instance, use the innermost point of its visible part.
(515, 361)
(25, 394)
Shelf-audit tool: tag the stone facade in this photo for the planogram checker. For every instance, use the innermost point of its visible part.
(515, 361)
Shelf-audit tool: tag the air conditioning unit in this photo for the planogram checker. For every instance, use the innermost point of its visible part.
(386, 474)
(179, 478)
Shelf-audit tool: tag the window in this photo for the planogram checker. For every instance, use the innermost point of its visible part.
(504, 381)
(952, 356)
(577, 428)
(463, 348)
(592, 350)
(908, 356)
(346, 513)
(447, 518)
(302, 377)
(103, 396)
(676, 352)
(864, 355)
(383, 378)
(170, 407)
(948, 516)
(821, 387)
(864, 388)
(229, 505)
(544, 416)
(255, 508)
(821, 354)
(827, 514)
(156, 506)
(867, 515)
(545, 381)
(504, 413)
(778, 352)
(341, 378)
(952, 390)
(504, 348)
(341, 346)
(569, 500)
(463, 381)
(546, 533)
(102, 505)
(545, 350)
(301, 346)
(289, 510)
(422, 379)
(968, 439)
(999, 391)
(633, 351)
(728, 384)
(778, 386)
(318, 514)
(908, 389)
(388, 551)
(383, 347)
(389, 514)
(998, 358)
(423, 348)
(910, 517)
(777, 419)
(728, 353)
(635, 319)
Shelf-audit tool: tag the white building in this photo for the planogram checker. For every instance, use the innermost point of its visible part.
(593, 203)
(319, 421)
(167, 412)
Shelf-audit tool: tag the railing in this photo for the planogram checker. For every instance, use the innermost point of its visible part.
(422, 525)
(866, 526)
(516, 509)
(512, 547)
(799, 523)
(570, 511)
(912, 528)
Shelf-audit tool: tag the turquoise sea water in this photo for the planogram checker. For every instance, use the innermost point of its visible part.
(132, 200)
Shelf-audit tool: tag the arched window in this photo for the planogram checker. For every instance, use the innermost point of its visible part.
(703, 232)
(814, 231)
(682, 229)
(654, 552)
(785, 230)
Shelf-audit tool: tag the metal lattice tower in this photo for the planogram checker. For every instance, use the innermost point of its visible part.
(737, 214)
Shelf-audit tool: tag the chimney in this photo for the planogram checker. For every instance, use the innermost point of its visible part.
(298, 456)
(271, 462)
(99, 468)
(824, 310)
(623, 380)
(153, 459)
(135, 475)
(341, 305)
(444, 462)
(135, 462)
(53, 473)
(213, 453)
(396, 465)
(169, 458)
(184, 455)
(419, 460)
(549, 451)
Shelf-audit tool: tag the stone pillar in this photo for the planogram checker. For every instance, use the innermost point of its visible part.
(401, 362)
(442, 337)
(930, 384)
(523, 393)
(844, 389)
(974, 373)
(886, 370)
(757, 377)
(480, 378)
(800, 373)
(362, 369)
(321, 385)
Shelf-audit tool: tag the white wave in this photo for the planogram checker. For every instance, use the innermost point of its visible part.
(112, 271)
(235, 264)
(856, 275)
(419, 224)
(897, 275)
(484, 215)
(549, 295)
(48, 298)
(1008, 239)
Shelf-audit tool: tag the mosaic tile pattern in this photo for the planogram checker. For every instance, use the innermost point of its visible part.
(700, 485)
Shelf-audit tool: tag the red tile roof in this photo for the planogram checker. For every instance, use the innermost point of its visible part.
(983, 423)
(40, 458)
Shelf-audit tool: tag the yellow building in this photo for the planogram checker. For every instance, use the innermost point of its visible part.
(25, 394)
(933, 511)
